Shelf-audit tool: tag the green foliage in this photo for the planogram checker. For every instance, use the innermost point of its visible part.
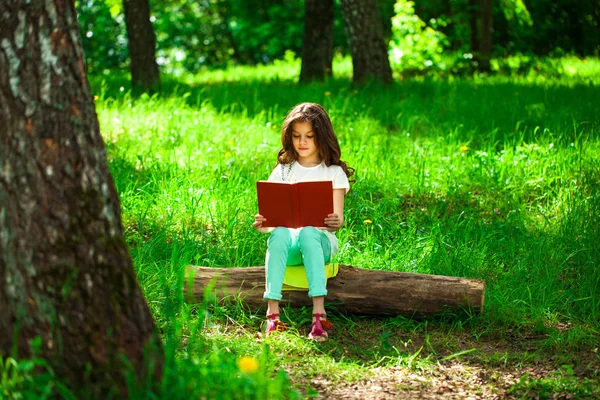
(264, 29)
(556, 25)
(424, 36)
(539, 27)
(103, 34)
(517, 11)
(441, 47)
(191, 35)
(420, 48)
(195, 35)
(414, 44)
(30, 379)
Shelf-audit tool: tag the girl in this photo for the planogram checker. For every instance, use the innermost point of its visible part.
(310, 152)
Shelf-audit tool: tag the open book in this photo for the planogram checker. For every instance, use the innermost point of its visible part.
(295, 204)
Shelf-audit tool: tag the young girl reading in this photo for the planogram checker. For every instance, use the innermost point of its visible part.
(310, 152)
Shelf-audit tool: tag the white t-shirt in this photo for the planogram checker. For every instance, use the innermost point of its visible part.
(295, 172)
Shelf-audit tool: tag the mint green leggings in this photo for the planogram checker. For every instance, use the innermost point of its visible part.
(309, 246)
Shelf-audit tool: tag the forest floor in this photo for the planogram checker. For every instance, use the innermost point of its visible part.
(511, 364)
(399, 358)
(478, 377)
(484, 177)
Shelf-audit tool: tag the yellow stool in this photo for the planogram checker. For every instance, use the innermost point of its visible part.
(295, 276)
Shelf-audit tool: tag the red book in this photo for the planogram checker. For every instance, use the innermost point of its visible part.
(295, 204)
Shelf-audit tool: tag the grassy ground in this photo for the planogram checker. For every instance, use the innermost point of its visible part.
(490, 178)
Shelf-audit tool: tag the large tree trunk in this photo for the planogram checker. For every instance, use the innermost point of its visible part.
(485, 37)
(142, 45)
(65, 273)
(317, 48)
(353, 290)
(365, 38)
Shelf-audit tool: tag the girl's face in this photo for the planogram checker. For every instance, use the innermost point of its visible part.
(303, 139)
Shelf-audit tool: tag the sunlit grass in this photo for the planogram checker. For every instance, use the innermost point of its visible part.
(494, 178)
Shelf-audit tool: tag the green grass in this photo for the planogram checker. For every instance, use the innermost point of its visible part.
(495, 178)
(490, 178)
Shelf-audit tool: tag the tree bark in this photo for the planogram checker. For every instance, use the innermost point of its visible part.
(142, 45)
(353, 290)
(485, 37)
(365, 38)
(65, 273)
(473, 12)
(597, 18)
(317, 48)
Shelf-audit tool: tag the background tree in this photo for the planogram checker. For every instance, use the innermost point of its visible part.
(473, 11)
(484, 55)
(66, 277)
(365, 38)
(317, 48)
(142, 45)
(196, 35)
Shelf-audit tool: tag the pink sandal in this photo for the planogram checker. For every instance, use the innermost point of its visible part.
(274, 324)
(319, 328)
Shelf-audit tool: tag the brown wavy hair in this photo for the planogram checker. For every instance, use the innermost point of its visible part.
(326, 141)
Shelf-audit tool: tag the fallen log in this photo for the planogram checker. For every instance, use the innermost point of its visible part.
(353, 290)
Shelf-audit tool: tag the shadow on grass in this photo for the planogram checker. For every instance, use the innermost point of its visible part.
(497, 111)
(380, 351)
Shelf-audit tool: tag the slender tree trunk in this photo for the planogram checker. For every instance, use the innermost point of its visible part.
(317, 48)
(597, 18)
(65, 273)
(365, 37)
(473, 12)
(577, 31)
(485, 38)
(142, 45)
(449, 13)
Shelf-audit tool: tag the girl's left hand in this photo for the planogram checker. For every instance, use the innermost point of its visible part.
(334, 222)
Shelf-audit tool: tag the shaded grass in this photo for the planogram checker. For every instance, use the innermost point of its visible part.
(488, 178)
(521, 215)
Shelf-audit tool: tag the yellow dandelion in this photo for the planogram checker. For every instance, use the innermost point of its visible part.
(367, 221)
(248, 364)
(230, 143)
(95, 98)
(464, 148)
(327, 93)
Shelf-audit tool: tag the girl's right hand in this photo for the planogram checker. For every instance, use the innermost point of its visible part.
(258, 221)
